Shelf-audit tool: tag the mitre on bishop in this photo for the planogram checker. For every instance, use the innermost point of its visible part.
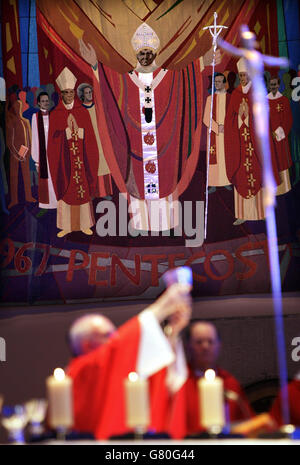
(66, 80)
(145, 37)
(242, 66)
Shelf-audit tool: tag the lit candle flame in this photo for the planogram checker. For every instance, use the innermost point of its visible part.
(133, 376)
(210, 375)
(59, 374)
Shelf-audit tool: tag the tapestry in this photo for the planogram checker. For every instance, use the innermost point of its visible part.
(117, 164)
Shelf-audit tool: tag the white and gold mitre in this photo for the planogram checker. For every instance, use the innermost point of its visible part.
(145, 37)
(242, 65)
(66, 80)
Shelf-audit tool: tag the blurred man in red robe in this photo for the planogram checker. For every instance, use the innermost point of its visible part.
(281, 124)
(203, 348)
(243, 164)
(104, 356)
(73, 160)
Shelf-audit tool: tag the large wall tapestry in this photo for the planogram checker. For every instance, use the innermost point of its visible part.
(104, 182)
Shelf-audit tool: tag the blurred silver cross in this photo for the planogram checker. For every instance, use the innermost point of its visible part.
(255, 62)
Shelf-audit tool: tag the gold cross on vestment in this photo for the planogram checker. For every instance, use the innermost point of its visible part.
(249, 194)
(74, 148)
(212, 150)
(76, 177)
(251, 180)
(81, 191)
(279, 107)
(250, 149)
(75, 135)
(78, 163)
(245, 133)
(247, 164)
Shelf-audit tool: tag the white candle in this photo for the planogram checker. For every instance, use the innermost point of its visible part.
(137, 401)
(211, 403)
(60, 399)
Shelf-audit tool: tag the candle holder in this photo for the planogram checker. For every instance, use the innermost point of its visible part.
(14, 420)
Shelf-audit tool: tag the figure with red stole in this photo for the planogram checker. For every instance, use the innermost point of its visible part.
(281, 119)
(73, 160)
(161, 112)
(243, 163)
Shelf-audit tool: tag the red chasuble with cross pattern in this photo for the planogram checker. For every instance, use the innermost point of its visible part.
(243, 163)
(73, 156)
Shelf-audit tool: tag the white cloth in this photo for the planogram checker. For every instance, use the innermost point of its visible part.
(274, 97)
(153, 356)
(279, 133)
(177, 371)
(155, 351)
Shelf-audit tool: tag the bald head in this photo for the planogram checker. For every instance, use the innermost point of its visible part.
(89, 332)
(203, 345)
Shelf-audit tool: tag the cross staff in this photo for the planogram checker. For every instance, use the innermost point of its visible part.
(255, 62)
(214, 30)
